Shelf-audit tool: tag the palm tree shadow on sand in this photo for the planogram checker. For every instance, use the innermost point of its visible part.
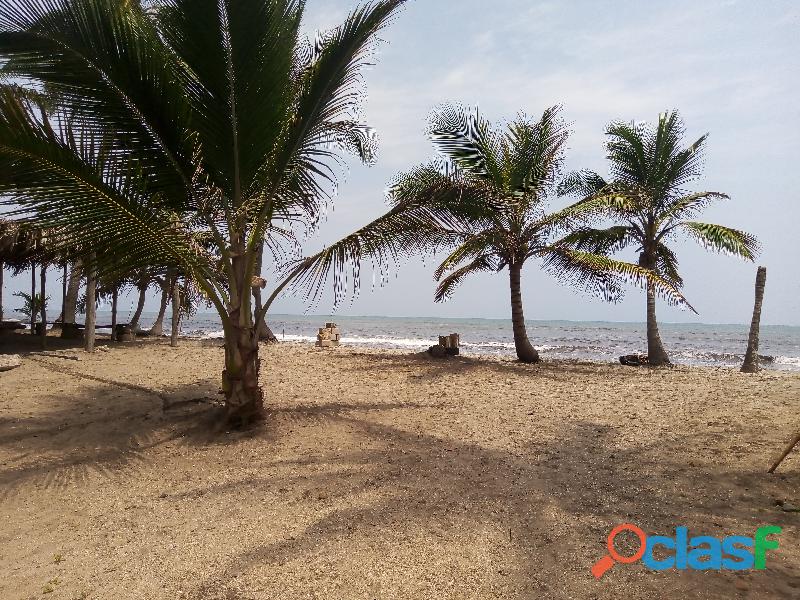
(540, 510)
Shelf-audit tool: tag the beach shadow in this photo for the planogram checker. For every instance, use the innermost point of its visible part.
(549, 505)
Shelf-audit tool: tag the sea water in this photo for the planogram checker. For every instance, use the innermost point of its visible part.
(687, 343)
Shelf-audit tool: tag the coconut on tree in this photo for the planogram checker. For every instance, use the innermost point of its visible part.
(198, 116)
(648, 200)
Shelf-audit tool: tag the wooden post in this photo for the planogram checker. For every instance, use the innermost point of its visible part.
(43, 306)
(751, 361)
(91, 316)
(785, 453)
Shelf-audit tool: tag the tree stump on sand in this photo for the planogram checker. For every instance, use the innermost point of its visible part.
(451, 344)
(71, 331)
(125, 333)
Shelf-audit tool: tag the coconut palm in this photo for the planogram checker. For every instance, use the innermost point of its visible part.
(648, 199)
(486, 203)
(202, 115)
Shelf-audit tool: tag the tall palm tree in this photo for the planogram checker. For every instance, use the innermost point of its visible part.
(201, 115)
(485, 202)
(647, 198)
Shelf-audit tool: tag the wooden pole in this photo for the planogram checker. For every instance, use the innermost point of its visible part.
(43, 305)
(785, 453)
(751, 361)
(91, 317)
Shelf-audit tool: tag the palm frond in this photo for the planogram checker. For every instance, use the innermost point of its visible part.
(689, 205)
(536, 153)
(476, 244)
(106, 67)
(324, 114)
(81, 188)
(446, 287)
(604, 277)
(582, 184)
(463, 137)
(723, 239)
(430, 210)
(667, 265)
(598, 241)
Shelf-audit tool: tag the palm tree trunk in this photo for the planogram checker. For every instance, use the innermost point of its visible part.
(656, 355)
(525, 350)
(73, 288)
(43, 306)
(114, 304)
(2, 274)
(264, 332)
(751, 358)
(244, 399)
(176, 313)
(139, 307)
(33, 298)
(91, 308)
(158, 326)
(60, 318)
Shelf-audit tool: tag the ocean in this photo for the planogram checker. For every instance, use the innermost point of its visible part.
(687, 343)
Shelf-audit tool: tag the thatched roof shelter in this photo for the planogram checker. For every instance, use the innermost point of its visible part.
(17, 243)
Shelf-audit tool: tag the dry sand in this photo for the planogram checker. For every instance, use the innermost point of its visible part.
(382, 475)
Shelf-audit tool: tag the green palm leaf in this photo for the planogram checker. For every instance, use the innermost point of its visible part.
(723, 239)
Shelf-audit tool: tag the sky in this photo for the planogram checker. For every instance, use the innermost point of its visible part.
(731, 68)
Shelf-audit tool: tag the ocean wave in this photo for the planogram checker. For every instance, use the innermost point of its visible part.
(607, 350)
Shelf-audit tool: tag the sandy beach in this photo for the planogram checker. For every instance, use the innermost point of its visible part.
(382, 474)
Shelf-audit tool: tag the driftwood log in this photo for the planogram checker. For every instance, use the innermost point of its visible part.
(795, 440)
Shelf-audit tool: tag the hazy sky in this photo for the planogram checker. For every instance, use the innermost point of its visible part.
(731, 68)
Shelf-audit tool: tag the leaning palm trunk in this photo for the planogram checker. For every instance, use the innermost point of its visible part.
(751, 358)
(157, 329)
(91, 289)
(114, 306)
(656, 355)
(525, 350)
(264, 332)
(139, 309)
(71, 297)
(176, 313)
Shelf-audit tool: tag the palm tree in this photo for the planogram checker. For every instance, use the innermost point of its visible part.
(207, 116)
(485, 202)
(648, 199)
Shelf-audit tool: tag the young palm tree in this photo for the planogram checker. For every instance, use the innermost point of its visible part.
(207, 116)
(648, 199)
(486, 204)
